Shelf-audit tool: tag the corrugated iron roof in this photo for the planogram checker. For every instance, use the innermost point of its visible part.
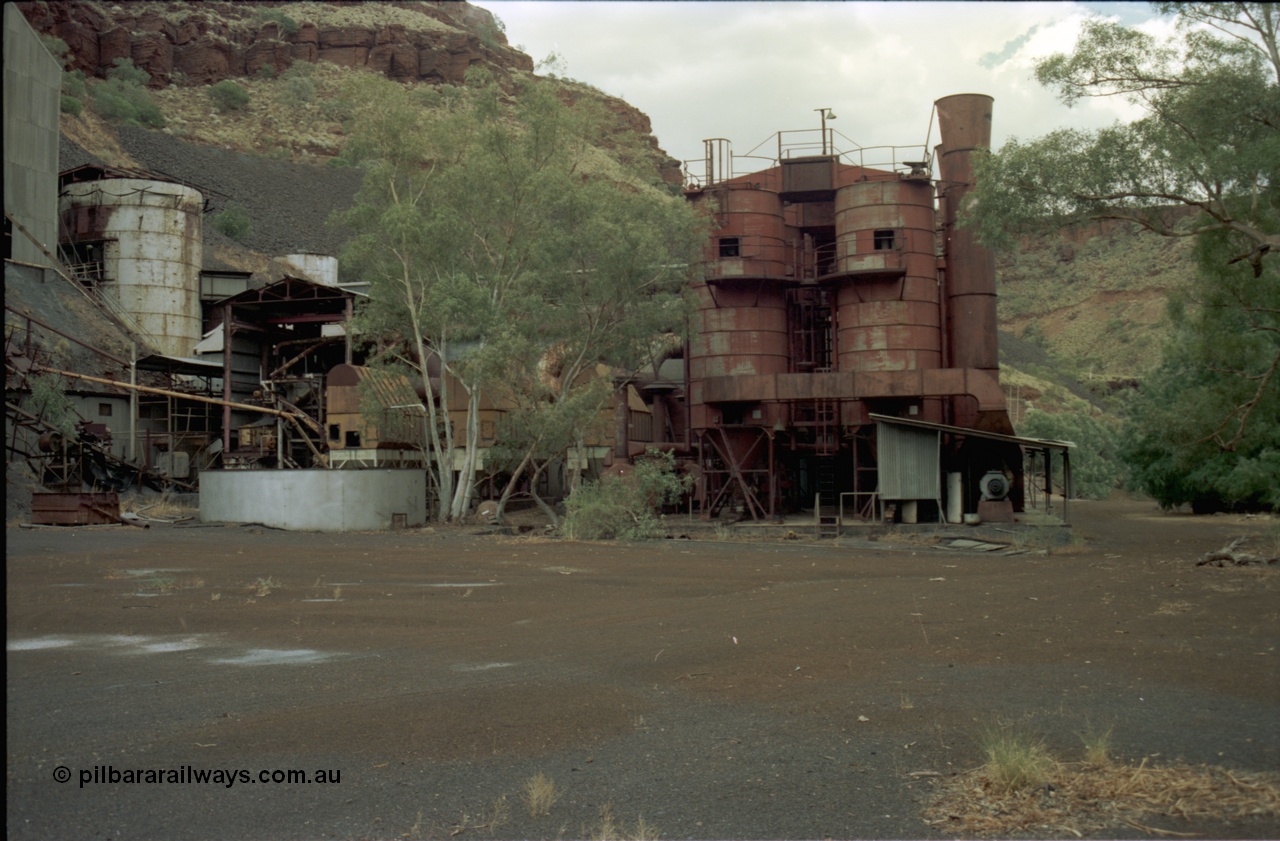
(1043, 443)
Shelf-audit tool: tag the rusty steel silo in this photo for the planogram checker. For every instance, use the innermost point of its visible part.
(887, 310)
(150, 234)
(741, 327)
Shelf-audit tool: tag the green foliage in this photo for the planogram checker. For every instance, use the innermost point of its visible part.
(299, 84)
(73, 84)
(1205, 429)
(123, 71)
(626, 507)
(50, 403)
(71, 105)
(234, 222)
(492, 33)
(287, 24)
(498, 243)
(1209, 137)
(57, 48)
(266, 72)
(228, 96)
(123, 99)
(339, 109)
(1095, 467)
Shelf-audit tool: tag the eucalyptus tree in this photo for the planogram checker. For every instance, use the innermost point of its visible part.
(509, 255)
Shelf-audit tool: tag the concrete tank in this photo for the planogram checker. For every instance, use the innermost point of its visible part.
(887, 311)
(751, 236)
(152, 238)
(322, 268)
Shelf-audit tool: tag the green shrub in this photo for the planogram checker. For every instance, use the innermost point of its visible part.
(628, 506)
(71, 105)
(123, 99)
(57, 48)
(123, 70)
(287, 24)
(228, 96)
(234, 222)
(49, 402)
(298, 89)
(73, 84)
(337, 109)
(266, 72)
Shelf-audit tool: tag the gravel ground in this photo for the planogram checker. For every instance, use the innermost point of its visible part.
(766, 689)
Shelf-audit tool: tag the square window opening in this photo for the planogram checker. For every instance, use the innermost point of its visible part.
(104, 410)
(353, 439)
(730, 247)
(885, 240)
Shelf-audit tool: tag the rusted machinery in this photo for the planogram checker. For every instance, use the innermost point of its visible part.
(837, 289)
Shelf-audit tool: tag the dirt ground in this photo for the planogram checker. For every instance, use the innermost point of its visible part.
(711, 689)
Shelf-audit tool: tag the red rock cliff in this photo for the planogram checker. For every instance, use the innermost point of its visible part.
(195, 44)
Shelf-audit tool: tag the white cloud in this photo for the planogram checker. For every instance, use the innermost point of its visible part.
(745, 70)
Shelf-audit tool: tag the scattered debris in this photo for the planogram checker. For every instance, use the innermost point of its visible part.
(967, 545)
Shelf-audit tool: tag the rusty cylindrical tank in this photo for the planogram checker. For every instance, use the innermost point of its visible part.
(742, 310)
(750, 239)
(964, 122)
(888, 310)
(153, 237)
(741, 332)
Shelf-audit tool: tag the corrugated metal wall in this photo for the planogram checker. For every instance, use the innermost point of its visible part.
(32, 92)
(909, 462)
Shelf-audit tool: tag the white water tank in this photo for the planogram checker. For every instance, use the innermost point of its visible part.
(151, 239)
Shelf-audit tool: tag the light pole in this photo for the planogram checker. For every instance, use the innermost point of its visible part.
(826, 115)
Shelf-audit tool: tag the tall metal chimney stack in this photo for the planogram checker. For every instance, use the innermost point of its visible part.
(964, 121)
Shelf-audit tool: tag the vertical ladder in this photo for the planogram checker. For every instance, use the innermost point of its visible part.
(825, 416)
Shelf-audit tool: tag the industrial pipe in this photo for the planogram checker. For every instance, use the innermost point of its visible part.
(164, 392)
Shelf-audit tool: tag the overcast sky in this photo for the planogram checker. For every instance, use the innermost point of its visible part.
(746, 70)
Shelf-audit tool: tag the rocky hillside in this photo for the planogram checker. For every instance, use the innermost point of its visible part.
(186, 47)
(204, 43)
(1094, 297)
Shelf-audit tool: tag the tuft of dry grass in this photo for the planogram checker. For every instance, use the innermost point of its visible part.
(164, 509)
(1097, 747)
(1016, 760)
(611, 829)
(264, 587)
(540, 794)
(1082, 798)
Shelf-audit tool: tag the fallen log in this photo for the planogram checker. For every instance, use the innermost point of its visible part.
(1229, 554)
